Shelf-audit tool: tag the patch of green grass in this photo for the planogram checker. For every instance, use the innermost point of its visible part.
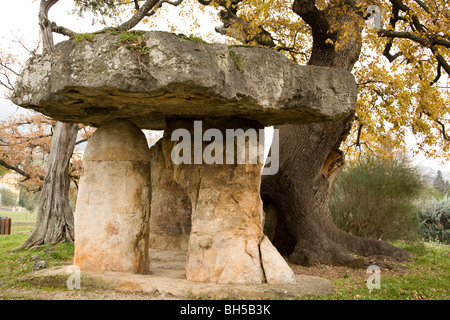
(134, 41)
(235, 57)
(18, 216)
(16, 264)
(427, 277)
(83, 36)
(192, 296)
(197, 40)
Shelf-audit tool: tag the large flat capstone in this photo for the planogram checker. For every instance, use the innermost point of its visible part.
(92, 82)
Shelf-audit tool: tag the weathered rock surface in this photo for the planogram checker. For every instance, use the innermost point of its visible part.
(276, 270)
(113, 204)
(226, 212)
(165, 283)
(98, 81)
(170, 218)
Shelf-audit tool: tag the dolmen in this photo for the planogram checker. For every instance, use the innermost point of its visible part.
(213, 102)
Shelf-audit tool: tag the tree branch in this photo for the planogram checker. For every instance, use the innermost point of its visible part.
(314, 17)
(404, 35)
(239, 29)
(62, 30)
(423, 6)
(387, 51)
(137, 17)
(16, 169)
(81, 141)
(441, 60)
(438, 75)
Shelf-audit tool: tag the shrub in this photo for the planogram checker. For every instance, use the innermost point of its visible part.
(9, 198)
(435, 219)
(376, 199)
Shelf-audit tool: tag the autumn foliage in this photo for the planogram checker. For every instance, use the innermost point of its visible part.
(25, 142)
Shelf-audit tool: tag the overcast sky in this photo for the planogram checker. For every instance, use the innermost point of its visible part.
(19, 19)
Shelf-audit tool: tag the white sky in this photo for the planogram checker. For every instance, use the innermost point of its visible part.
(19, 19)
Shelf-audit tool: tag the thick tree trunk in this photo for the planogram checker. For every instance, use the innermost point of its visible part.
(55, 218)
(55, 221)
(310, 161)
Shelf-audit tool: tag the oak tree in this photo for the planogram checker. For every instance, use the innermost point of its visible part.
(416, 43)
(399, 68)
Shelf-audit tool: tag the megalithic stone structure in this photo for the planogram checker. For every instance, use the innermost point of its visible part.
(169, 85)
(170, 219)
(113, 203)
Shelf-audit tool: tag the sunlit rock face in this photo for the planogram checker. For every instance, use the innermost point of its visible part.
(98, 81)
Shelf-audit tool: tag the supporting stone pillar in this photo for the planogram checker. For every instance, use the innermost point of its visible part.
(113, 205)
(170, 218)
(227, 213)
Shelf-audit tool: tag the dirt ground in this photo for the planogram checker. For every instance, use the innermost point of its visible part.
(166, 281)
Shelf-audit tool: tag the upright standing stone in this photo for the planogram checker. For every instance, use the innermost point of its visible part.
(99, 81)
(226, 205)
(170, 219)
(113, 204)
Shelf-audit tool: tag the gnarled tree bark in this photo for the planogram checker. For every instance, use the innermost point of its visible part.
(310, 161)
(55, 222)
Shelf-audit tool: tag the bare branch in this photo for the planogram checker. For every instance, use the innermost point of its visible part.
(205, 2)
(16, 169)
(33, 52)
(161, 2)
(439, 122)
(81, 141)
(423, 6)
(137, 17)
(438, 76)
(387, 51)
(403, 34)
(62, 30)
(5, 65)
(442, 61)
(7, 86)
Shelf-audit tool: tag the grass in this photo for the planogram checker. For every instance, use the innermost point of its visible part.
(425, 278)
(16, 264)
(83, 36)
(197, 40)
(17, 216)
(235, 57)
(134, 41)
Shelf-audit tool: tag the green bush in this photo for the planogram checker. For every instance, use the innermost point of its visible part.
(9, 198)
(376, 199)
(28, 199)
(435, 219)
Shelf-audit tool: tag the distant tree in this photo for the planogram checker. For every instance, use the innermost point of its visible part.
(28, 199)
(25, 142)
(439, 183)
(3, 171)
(9, 198)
